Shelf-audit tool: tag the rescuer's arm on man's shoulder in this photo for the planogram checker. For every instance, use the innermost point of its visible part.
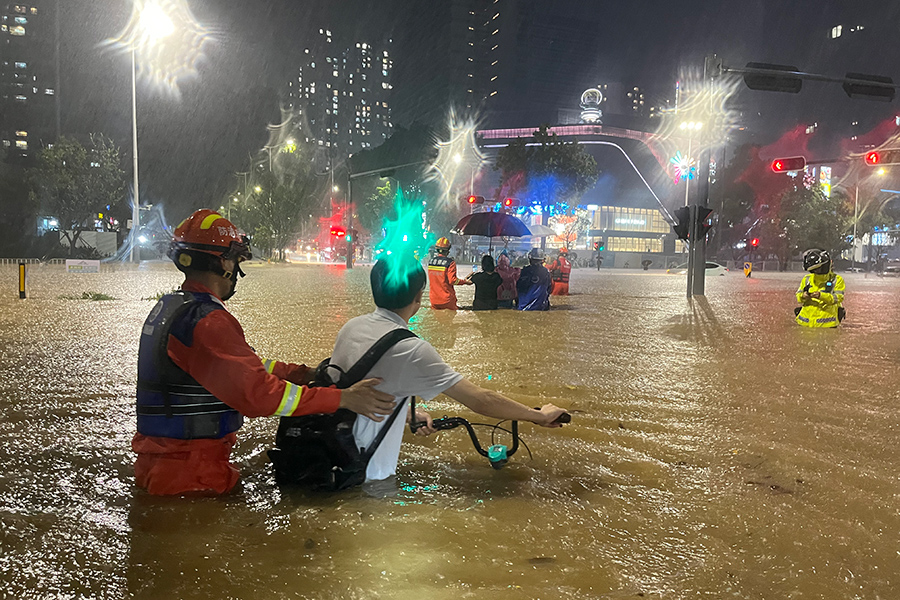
(220, 359)
(498, 406)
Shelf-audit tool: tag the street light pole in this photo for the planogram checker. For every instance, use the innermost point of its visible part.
(135, 208)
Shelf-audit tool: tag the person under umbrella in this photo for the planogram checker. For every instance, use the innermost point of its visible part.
(506, 293)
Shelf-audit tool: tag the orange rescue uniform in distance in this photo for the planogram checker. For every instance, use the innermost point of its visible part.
(441, 279)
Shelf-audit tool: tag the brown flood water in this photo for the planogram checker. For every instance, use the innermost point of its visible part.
(716, 451)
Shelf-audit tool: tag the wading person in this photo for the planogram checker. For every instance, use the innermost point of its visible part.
(506, 293)
(442, 277)
(821, 292)
(412, 367)
(559, 271)
(198, 378)
(534, 283)
(487, 283)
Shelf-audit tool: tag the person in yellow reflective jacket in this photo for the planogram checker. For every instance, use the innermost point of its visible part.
(821, 292)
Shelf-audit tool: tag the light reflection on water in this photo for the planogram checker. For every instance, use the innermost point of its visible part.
(718, 450)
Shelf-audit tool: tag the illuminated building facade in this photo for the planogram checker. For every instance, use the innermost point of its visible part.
(342, 94)
(626, 229)
(29, 98)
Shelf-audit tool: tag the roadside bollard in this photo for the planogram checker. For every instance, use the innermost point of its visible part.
(22, 281)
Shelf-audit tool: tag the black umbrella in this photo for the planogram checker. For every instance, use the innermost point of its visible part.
(491, 225)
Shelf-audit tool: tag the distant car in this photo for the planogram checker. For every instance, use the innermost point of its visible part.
(855, 270)
(711, 269)
(892, 271)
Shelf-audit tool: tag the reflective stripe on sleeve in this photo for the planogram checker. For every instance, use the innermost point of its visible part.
(826, 320)
(269, 364)
(804, 319)
(289, 401)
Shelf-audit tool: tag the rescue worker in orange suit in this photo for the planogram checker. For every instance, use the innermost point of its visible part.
(559, 270)
(198, 378)
(442, 277)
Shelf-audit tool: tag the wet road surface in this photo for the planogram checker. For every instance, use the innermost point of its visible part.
(717, 450)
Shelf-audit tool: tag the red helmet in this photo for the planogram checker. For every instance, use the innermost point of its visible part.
(563, 250)
(207, 232)
(443, 244)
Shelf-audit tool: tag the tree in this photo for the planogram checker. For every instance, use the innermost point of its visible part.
(546, 171)
(73, 183)
(811, 219)
(373, 209)
(274, 215)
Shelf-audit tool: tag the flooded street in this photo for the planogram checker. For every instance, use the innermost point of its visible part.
(717, 450)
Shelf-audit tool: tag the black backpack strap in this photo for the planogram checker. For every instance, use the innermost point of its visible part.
(362, 367)
(365, 364)
(370, 451)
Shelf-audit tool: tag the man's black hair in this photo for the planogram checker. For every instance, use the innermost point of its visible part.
(396, 290)
(487, 263)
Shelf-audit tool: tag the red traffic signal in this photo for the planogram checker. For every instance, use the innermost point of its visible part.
(883, 157)
(754, 242)
(794, 163)
(338, 231)
(475, 199)
(510, 202)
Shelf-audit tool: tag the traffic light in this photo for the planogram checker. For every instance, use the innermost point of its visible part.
(682, 222)
(754, 242)
(890, 156)
(475, 199)
(510, 202)
(338, 231)
(704, 220)
(794, 163)
(600, 246)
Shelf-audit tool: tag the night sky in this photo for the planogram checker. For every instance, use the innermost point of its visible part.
(190, 146)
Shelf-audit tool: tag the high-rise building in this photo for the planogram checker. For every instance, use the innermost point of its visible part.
(342, 93)
(454, 55)
(29, 75)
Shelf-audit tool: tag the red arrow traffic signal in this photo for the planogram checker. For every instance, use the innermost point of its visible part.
(794, 163)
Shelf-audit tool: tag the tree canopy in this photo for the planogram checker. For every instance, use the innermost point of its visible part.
(73, 182)
(546, 171)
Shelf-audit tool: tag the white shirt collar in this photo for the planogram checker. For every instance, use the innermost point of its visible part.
(390, 316)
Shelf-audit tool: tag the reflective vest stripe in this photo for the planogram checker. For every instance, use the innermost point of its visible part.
(436, 268)
(289, 401)
(269, 364)
(802, 318)
(826, 320)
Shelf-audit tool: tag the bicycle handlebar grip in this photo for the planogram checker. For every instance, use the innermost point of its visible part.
(563, 418)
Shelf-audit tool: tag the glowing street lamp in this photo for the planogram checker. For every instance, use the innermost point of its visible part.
(154, 25)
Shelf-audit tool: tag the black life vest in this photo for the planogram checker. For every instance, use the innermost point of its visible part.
(171, 403)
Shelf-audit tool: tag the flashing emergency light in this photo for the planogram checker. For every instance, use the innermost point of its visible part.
(794, 163)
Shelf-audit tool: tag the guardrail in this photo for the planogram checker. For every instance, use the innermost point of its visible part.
(32, 261)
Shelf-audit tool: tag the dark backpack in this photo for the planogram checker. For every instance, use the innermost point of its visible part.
(318, 451)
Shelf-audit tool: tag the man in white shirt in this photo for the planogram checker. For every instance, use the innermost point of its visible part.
(412, 367)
